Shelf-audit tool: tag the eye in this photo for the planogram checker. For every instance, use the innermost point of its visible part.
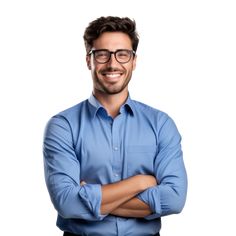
(101, 54)
(123, 54)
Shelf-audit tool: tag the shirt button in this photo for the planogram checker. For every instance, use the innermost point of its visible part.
(116, 175)
(115, 148)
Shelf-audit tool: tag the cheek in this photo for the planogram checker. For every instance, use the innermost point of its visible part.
(95, 71)
(130, 69)
(95, 67)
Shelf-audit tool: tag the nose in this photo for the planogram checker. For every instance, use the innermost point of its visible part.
(112, 62)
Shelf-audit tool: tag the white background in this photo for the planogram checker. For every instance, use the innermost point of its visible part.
(186, 67)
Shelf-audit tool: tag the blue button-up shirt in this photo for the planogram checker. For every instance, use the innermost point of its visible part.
(85, 143)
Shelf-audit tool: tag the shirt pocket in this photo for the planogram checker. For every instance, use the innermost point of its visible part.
(140, 159)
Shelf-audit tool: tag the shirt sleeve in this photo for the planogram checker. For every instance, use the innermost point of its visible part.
(62, 175)
(169, 196)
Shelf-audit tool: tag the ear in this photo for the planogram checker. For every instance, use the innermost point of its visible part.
(88, 61)
(134, 62)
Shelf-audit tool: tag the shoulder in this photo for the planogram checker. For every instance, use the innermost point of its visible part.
(159, 119)
(66, 122)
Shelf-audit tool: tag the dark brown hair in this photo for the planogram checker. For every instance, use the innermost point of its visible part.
(110, 24)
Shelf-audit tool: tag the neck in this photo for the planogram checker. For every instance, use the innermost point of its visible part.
(111, 102)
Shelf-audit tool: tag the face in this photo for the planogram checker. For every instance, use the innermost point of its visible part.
(112, 77)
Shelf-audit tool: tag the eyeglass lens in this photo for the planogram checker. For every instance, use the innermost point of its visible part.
(103, 56)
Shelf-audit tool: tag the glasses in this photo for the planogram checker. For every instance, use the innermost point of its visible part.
(102, 56)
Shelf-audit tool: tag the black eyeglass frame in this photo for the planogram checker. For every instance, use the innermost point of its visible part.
(93, 51)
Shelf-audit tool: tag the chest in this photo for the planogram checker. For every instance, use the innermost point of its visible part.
(111, 150)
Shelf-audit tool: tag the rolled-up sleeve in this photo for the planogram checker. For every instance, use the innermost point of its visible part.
(62, 175)
(169, 196)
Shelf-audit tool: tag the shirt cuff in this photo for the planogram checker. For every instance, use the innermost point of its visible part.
(153, 200)
(91, 195)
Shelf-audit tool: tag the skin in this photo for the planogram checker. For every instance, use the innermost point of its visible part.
(110, 87)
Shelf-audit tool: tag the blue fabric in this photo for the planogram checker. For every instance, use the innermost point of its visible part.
(85, 143)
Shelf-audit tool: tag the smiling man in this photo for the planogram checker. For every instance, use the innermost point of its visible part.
(112, 70)
(113, 166)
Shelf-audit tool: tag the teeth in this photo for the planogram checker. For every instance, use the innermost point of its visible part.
(112, 75)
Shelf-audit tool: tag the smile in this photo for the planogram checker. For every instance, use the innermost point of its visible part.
(112, 75)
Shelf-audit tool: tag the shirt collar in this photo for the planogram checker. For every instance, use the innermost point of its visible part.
(129, 105)
(96, 105)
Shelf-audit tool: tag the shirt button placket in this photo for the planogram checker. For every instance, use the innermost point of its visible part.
(116, 150)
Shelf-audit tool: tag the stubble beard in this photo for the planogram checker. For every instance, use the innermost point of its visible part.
(110, 89)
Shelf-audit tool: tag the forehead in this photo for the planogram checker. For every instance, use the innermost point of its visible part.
(113, 41)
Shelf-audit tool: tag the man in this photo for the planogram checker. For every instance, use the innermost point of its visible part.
(113, 166)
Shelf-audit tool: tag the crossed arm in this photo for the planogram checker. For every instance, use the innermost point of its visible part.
(120, 198)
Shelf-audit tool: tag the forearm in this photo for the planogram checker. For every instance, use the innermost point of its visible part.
(116, 194)
(133, 208)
